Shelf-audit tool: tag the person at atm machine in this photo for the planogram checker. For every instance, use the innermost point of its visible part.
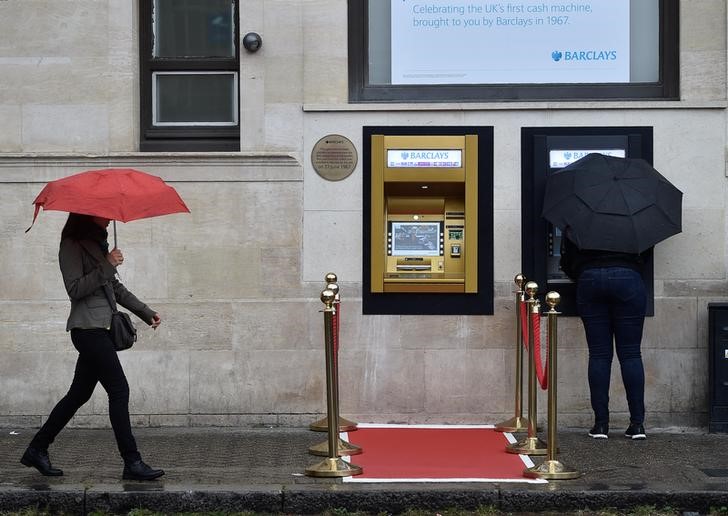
(611, 300)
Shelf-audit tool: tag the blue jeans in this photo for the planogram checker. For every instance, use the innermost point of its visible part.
(612, 302)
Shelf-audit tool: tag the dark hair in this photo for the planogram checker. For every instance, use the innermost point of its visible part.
(79, 227)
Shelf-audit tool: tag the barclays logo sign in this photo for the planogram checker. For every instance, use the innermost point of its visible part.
(584, 55)
(427, 158)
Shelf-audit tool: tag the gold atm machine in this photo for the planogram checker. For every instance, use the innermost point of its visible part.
(424, 212)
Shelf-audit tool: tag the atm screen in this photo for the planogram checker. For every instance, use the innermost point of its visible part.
(415, 238)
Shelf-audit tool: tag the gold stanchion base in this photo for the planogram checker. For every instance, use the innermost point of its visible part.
(344, 448)
(551, 470)
(528, 446)
(515, 424)
(333, 467)
(322, 425)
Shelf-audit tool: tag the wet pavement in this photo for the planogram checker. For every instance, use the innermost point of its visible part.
(261, 470)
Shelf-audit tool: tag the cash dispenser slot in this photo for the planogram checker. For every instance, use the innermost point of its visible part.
(414, 264)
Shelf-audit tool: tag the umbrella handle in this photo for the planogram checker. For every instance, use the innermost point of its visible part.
(117, 272)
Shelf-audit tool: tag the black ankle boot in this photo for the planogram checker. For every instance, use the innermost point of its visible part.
(38, 459)
(138, 470)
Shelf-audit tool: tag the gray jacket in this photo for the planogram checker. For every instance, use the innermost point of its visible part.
(85, 271)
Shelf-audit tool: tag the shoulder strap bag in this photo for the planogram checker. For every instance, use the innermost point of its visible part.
(123, 333)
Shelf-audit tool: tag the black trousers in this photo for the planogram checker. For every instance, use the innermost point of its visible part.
(97, 362)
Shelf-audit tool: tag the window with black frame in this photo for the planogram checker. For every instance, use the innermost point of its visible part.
(189, 75)
(529, 50)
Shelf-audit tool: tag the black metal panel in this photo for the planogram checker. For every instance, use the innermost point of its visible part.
(480, 303)
(718, 366)
(536, 142)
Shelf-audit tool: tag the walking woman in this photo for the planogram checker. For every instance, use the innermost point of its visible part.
(88, 267)
(611, 300)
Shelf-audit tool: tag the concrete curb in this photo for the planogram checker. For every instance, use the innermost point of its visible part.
(316, 499)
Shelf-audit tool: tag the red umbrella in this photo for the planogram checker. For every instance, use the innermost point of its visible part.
(122, 194)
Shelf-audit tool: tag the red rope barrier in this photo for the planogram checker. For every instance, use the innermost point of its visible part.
(542, 372)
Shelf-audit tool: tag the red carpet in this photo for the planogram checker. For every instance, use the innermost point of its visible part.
(435, 453)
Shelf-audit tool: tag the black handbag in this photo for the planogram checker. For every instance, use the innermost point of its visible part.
(123, 333)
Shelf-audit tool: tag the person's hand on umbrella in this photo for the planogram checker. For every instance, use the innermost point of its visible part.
(115, 257)
(156, 321)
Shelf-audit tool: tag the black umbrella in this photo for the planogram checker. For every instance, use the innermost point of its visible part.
(613, 204)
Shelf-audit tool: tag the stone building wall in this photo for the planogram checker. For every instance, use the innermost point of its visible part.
(237, 280)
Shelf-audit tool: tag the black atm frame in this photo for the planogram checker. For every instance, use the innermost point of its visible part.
(536, 142)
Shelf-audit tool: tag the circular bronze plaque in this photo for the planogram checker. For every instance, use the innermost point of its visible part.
(334, 157)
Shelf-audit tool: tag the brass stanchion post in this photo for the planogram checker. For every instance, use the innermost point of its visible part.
(333, 465)
(531, 445)
(517, 423)
(552, 468)
(322, 425)
(344, 447)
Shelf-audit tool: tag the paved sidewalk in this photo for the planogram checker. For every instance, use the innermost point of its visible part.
(226, 469)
